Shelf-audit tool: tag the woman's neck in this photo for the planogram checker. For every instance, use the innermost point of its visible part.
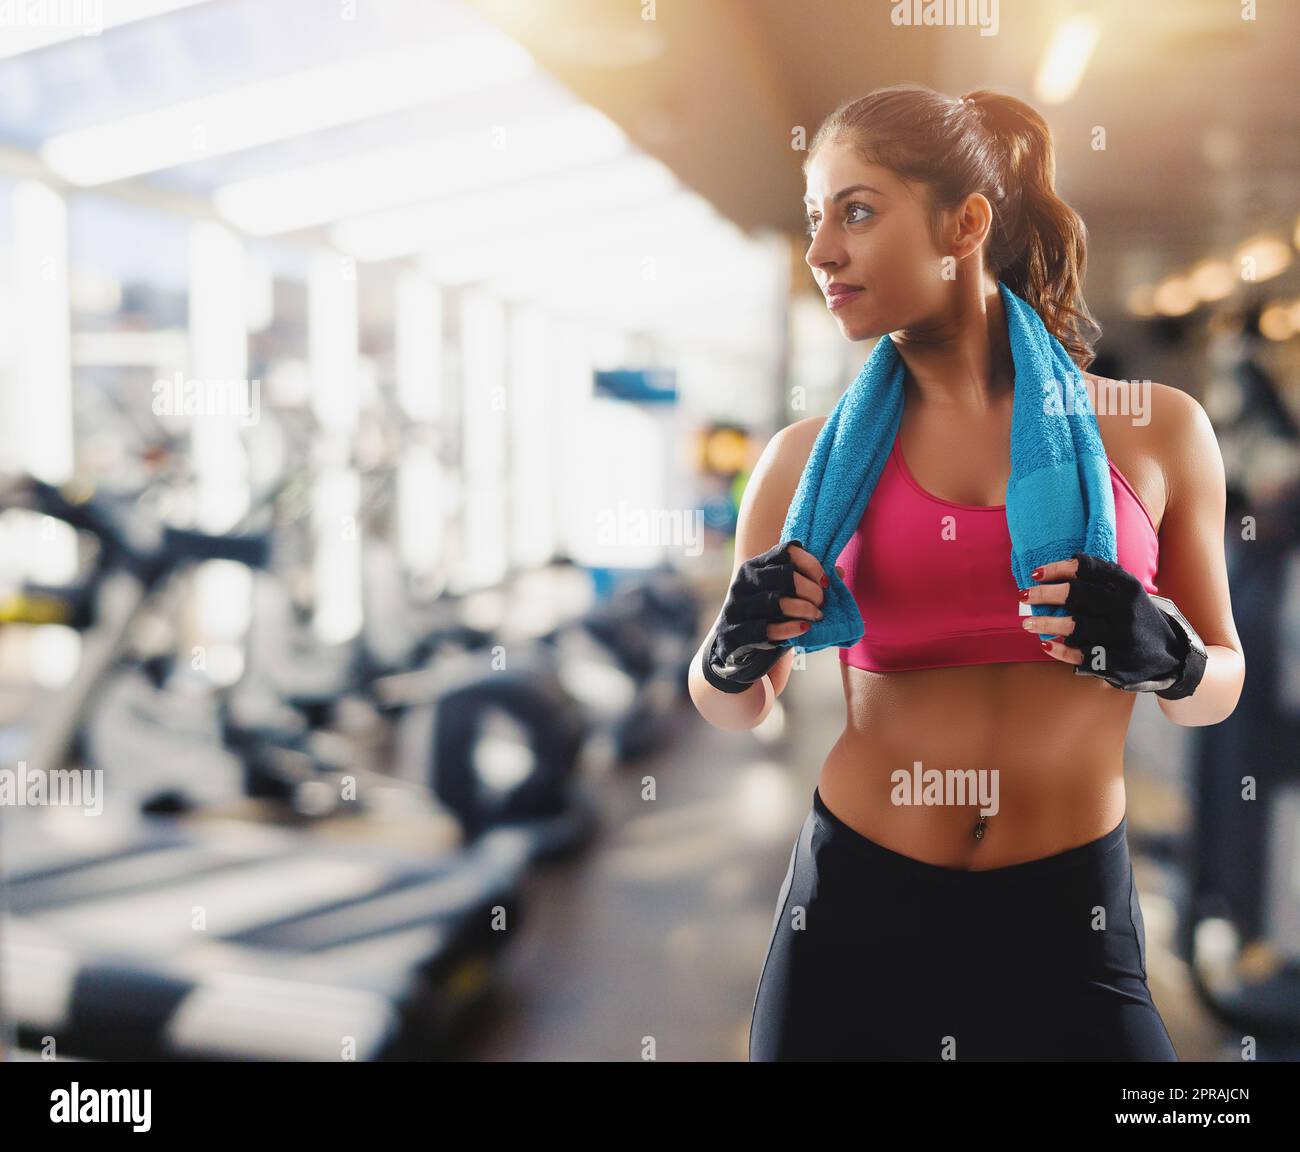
(962, 358)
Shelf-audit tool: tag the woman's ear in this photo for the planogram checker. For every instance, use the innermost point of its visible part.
(973, 223)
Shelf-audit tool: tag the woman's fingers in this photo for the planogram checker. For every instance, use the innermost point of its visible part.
(1063, 652)
(805, 562)
(785, 631)
(803, 609)
(1048, 625)
(807, 605)
(1056, 570)
(805, 589)
(804, 612)
(1048, 593)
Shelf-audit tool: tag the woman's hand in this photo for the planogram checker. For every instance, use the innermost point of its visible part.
(771, 599)
(1114, 631)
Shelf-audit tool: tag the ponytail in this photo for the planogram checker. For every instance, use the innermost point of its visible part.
(1040, 244)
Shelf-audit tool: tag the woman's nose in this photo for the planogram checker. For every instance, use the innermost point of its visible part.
(821, 252)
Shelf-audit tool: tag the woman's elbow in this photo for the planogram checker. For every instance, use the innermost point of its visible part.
(730, 711)
(1218, 694)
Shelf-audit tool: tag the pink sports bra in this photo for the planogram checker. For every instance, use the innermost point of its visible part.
(936, 592)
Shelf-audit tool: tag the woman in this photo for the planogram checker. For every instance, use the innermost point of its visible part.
(1001, 923)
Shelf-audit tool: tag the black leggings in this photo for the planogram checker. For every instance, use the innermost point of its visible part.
(876, 955)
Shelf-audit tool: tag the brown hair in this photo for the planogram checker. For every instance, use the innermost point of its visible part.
(999, 146)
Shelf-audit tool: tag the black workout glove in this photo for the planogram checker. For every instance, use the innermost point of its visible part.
(1129, 638)
(738, 652)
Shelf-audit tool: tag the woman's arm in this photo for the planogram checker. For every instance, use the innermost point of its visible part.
(761, 517)
(1193, 570)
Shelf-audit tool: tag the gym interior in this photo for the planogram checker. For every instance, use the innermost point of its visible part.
(379, 384)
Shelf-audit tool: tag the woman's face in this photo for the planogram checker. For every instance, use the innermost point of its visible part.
(868, 230)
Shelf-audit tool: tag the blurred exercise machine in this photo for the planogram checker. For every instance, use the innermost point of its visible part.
(1240, 925)
(138, 936)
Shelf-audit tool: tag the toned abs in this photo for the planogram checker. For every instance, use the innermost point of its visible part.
(1055, 739)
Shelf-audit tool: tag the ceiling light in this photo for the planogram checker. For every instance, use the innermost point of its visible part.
(550, 202)
(1267, 255)
(20, 37)
(353, 185)
(1276, 322)
(1066, 58)
(285, 106)
(1174, 297)
(1212, 280)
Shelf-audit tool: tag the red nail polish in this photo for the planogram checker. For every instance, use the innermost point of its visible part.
(1036, 574)
(805, 626)
(1024, 595)
(826, 583)
(1047, 647)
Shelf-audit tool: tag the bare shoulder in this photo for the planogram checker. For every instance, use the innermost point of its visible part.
(1151, 432)
(786, 454)
(1188, 446)
(800, 436)
(1182, 427)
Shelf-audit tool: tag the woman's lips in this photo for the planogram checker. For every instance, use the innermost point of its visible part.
(839, 299)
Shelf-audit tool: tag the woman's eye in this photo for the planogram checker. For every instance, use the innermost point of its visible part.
(811, 226)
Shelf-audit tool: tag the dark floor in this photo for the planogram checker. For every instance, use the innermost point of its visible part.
(656, 935)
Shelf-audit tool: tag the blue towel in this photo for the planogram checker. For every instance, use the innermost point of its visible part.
(1059, 499)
